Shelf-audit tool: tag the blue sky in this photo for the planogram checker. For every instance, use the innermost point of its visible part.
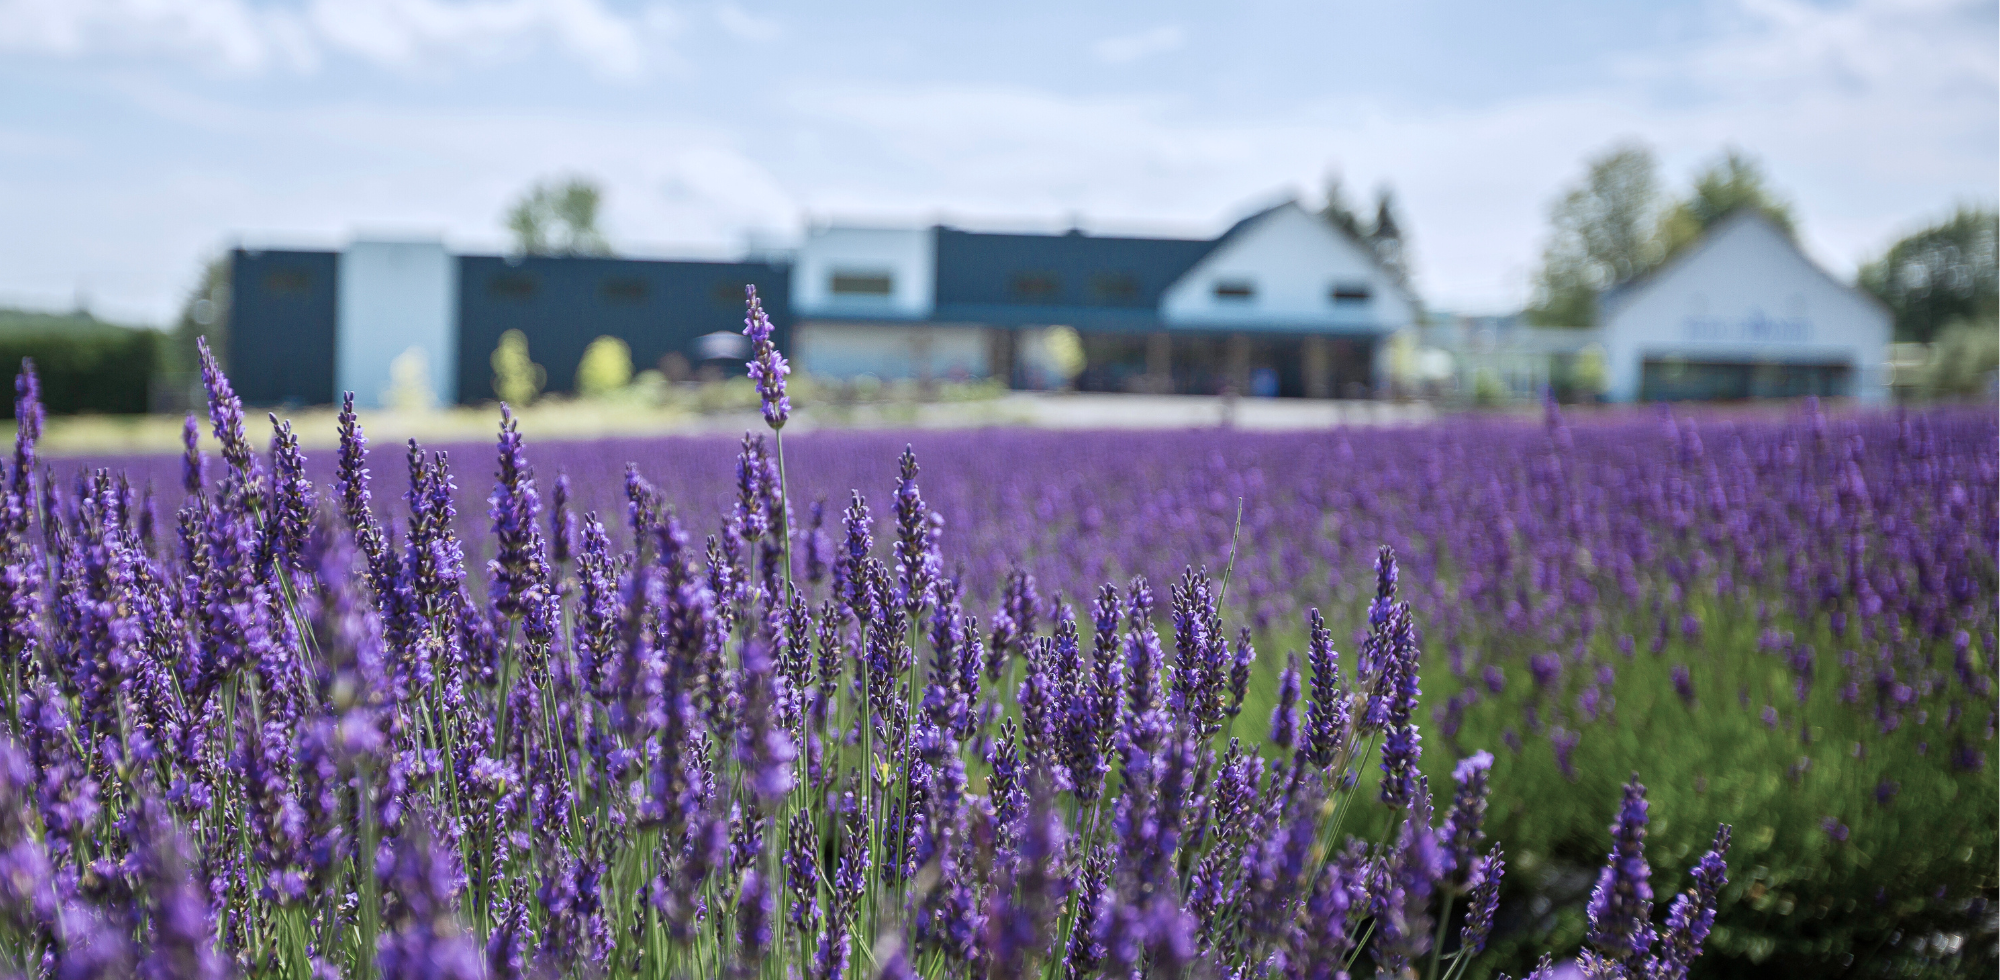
(138, 136)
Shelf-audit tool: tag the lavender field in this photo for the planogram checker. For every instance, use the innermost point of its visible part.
(1426, 702)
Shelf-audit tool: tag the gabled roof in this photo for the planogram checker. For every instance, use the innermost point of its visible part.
(1087, 281)
(1616, 296)
(1361, 245)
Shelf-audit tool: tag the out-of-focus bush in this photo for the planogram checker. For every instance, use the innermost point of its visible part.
(1963, 359)
(86, 365)
(606, 368)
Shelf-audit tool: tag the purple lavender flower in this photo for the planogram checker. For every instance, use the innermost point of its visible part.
(28, 419)
(423, 939)
(194, 467)
(519, 570)
(1284, 718)
(917, 563)
(562, 522)
(767, 366)
(764, 748)
(291, 500)
(1327, 711)
(1621, 906)
(1463, 830)
(1403, 927)
(1028, 898)
(225, 414)
(1483, 899)
(1403, 746)
(1693, 913)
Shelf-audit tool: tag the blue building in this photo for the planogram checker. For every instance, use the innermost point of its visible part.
(1281, 304)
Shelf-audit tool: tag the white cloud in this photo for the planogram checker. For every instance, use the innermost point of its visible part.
(239, 36)
(1127, 48)
(1868, 116)
(226, 33)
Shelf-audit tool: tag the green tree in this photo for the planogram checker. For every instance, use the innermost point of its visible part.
(1734, 182)
(1939, 274)
(1339, 212)
(559, 218)
(1386, 238)
(1602, 234)
(517, 379)
(606, 368)
(204, 313)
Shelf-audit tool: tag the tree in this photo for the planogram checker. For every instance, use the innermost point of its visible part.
(559, 219)
(1939, 274)
(205, 313)
(1734, 182)
(1383, 237)
(1603, 234)
(1338, 212)
(1386, 238)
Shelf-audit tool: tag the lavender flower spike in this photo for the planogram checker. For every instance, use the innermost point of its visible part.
(1284, 719)
(1621, 907)
(767, 366)
(1693, 911)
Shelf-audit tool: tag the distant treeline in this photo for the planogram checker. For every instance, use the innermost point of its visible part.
(85, 364)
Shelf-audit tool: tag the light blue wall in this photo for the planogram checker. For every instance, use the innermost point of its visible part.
(395, 296)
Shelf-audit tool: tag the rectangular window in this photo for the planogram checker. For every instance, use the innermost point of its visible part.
(287, 282)
(1351, 292)
(512, 285)
(862, 284)
(1235, 289)
(1035, 287)
(728, 294)
(1114, 288)
(625, 290)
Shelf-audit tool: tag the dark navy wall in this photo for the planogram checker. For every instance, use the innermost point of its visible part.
(281, 326)
(562, 304)
(1089, 282)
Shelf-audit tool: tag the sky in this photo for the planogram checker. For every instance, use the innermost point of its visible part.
(139, 138)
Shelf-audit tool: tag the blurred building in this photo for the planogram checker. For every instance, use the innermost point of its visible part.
(1742, 313)
(379, 317)
(1281, 304)
(1498, 359)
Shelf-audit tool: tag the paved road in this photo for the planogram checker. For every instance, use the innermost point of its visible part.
(1096, 411)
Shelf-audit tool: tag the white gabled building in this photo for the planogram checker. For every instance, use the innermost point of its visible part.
(1282, 303)
(1287, 269)
(1742, 313)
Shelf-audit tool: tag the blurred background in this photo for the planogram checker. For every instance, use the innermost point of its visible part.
(1264, 214)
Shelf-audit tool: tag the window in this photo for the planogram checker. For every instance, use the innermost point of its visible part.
(1035, 287)
(862, 284)
(512, 285)
(625, 290)
(1239, 290)
(289, 282)
(1114, 288)
(729, 294)
(1351, 293)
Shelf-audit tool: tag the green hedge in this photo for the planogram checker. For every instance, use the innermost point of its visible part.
(85, 365)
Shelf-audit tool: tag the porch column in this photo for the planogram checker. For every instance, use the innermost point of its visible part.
(1237, 363)
(1159, 363)
(1319, 380)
